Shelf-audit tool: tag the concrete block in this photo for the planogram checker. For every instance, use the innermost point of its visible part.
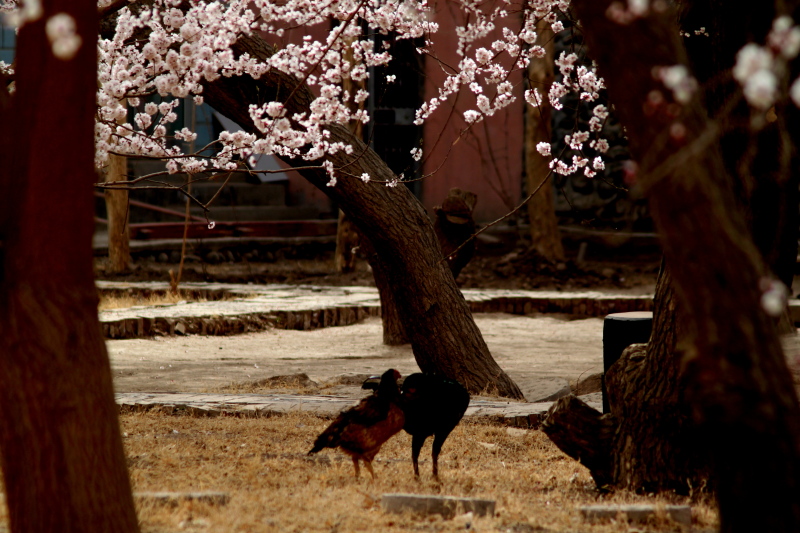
(447, 506)
(681, 514)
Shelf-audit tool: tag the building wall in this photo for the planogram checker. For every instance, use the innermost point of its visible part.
(488, 159)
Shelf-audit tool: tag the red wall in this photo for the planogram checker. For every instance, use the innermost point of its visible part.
(487, 160)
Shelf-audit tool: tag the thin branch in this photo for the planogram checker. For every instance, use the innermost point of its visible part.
(502, 218)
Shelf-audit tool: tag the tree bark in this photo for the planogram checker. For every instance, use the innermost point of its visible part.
(734, 374)
(437, 319)
(60, 446)
(346, 233)
(119, 247)
(346, 244)
(763, 162)
(584, 434)
(650, 446)
(394, 334)
(545, 236)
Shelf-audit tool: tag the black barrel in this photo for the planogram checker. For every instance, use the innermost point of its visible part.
(620, 330)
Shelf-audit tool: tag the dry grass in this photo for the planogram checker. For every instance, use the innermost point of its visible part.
(110, 300)
(114, 301)
(274, 486)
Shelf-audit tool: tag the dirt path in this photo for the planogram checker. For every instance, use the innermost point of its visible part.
(540, 353)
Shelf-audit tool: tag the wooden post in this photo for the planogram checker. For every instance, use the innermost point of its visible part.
(119, 249)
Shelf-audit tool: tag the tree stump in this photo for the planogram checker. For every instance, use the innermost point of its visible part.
(454, 227)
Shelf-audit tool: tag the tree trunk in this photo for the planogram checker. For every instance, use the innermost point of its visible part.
(394, 334)
(346, 233)
(119, 248)
(545, 236)
(735, 380)
(649, 446)
(60, 446)
(346, 245)
(653, 448)
(764, 162)
(437, 319)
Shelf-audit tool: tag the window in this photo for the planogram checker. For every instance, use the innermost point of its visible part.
(8, 41)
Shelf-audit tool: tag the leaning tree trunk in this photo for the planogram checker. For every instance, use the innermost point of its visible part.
(61, 451)
(434, 314)
(736, 384)
(394, 334)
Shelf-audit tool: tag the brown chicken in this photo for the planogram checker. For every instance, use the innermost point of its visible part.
(361, 430)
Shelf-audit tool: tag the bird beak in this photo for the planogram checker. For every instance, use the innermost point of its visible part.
(371, 383)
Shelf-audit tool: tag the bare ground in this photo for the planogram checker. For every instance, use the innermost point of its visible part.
(274, 487)
(541, 353)
(261, 463)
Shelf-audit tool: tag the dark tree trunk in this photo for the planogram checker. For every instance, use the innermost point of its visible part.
(60, 446)
(347, 242)
(734, 376)
(652, 449)
(435, 316)
(394, 334)
(545, 236)
(762, 160)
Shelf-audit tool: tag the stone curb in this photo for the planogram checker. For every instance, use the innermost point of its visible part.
(447, 506)
(143, 326)
(517, 414)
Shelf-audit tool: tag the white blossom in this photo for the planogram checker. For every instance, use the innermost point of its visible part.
(794, 92)
(174, 49)
(679, 81)
(750, 59)
(543, 148)
(785, 37)
(761, 89)
(774, 296)
(63, 37)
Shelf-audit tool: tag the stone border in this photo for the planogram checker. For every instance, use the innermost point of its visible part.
(139, 327)
(260, 307)
(517, 414)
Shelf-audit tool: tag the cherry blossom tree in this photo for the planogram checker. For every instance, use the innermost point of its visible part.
(288, 96)
(710, 400)
(292, 102)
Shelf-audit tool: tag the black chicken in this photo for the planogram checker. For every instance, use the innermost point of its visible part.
(361, 430)
(433, 405)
